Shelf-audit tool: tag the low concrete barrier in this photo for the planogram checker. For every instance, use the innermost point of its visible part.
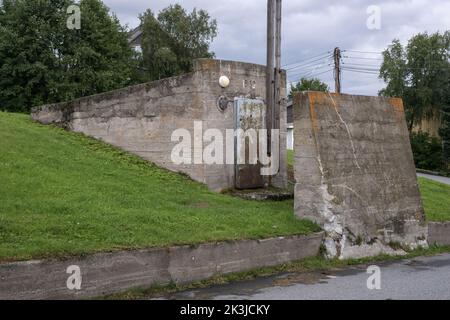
(439, 233)
(108, 273)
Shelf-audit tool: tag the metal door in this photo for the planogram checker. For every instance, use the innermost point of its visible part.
(249, 114)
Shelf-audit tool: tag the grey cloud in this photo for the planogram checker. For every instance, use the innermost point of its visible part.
(310, 28)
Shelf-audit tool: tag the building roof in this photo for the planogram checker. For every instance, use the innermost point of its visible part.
(135, 36)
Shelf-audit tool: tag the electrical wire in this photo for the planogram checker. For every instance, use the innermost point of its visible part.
(310, 72)
(312, 76)
(363, 58)
(313, 62)
(361, 71)
(305, 60)
(359, 64)
(358, 51)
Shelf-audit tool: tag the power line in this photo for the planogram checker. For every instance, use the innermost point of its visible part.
(363, 58)
(360, 71)
(318, 74)
(305, 64)
(304, 60)
(308, 60)
(310, 67)
(308, 72)
(312, 76)
(368, 52)
(406, 68)
(360, 64)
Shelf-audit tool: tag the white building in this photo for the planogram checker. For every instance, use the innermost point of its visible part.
(290, 126)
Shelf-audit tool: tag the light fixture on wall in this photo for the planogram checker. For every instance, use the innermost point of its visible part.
(223, 103)
(224, 81)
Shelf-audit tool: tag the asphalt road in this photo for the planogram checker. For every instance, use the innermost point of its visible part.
(435, 178)
(418, 279)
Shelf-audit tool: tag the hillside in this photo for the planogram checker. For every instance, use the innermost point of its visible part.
(63, 194)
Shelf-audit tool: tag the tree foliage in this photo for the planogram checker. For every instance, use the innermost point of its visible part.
(445, 130)
(427, 151)
(173, 39)
(418, 73)
(43, 61)
(306, 84)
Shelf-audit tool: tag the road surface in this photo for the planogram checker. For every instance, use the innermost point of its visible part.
(417, 279)
(435, 178)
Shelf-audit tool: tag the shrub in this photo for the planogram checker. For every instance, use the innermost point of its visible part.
(427, 151)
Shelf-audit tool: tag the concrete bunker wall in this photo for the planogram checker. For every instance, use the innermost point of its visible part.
(355, 172)
(141, 119)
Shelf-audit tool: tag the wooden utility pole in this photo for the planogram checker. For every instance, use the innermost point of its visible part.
(337, 69)
(277, 104)
(270, 70)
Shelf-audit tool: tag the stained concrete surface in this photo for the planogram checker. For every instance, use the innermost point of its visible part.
(355, 173)
(141, 119)
(425, 278)
(107, 273)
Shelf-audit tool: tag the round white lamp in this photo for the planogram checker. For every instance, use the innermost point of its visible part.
(224, 81)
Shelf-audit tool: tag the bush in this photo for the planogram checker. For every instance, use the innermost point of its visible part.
(427, 151)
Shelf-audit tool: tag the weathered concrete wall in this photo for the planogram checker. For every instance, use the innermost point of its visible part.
(114, 272)
(439, 233)
(355, 172)
(142, 118)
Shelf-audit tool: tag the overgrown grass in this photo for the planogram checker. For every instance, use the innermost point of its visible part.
(63, 194)
(436, 199)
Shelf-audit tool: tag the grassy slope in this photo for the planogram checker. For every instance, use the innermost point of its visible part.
(62, 193)
(290, 158)
(436, 199)
(435, 196)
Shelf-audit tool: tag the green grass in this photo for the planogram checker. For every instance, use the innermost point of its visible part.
(436, 199)
(290, 158)
(63, 194)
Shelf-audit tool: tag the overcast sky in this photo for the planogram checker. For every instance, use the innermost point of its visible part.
(310, 28)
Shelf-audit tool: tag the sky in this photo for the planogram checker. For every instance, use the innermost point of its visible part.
(311, 28)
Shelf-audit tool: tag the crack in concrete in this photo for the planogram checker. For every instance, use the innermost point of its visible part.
(348, 131)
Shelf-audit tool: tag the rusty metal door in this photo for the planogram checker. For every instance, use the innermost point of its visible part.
(249, 114)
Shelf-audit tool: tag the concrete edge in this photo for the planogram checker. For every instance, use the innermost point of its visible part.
(439, 233)
(108, 273)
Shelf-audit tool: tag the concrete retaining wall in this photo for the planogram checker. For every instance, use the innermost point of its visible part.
(114, 272)
(142, 118)
(355, 172)
(439, 233)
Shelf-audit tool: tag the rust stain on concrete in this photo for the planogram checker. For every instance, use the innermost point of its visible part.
(318, 97)
(312, 112)
(397, 104)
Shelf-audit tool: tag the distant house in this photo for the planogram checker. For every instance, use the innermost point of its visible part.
(290, 126)
(135, 38)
